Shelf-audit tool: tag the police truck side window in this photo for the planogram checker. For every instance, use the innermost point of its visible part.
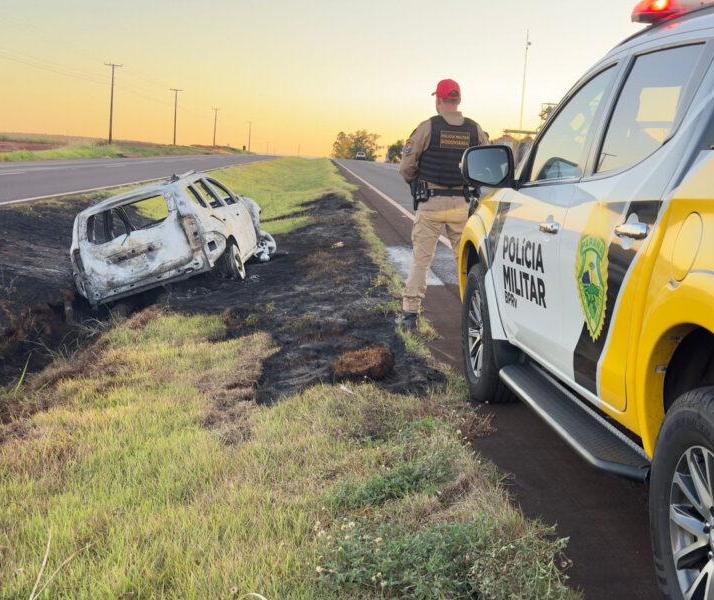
(562, 151)
(648, 106)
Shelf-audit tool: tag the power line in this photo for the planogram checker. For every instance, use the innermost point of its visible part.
(111, 98)
(29, 62)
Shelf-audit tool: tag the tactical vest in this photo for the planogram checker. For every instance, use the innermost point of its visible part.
(439, 164)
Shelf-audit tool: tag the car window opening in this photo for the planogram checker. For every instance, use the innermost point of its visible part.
(648, 107)
(562, 151)
(211, 197)
(142, 214)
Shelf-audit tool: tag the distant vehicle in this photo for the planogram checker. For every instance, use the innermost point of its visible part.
(587, 278)
(164, 233)
(361, 155)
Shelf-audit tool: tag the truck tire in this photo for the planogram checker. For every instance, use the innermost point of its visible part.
(231, 265)
(480, 365)
(682, 498)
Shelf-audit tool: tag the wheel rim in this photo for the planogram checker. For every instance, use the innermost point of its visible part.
(475, 334)
(691, 523)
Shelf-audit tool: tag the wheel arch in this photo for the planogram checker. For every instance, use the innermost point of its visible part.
(691, 365)
(679, 326)
(471, 251)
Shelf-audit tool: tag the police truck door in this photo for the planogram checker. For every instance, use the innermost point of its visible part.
(527, 264)
(615, 207)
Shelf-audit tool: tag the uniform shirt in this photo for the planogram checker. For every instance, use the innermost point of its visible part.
(419, 140)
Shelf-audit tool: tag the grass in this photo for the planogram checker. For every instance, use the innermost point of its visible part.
(156, 472)
(283, 187)
(88, 150)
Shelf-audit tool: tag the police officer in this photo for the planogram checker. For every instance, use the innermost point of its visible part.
(431, 158)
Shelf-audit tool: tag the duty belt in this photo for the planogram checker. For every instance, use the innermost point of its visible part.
(446, 192)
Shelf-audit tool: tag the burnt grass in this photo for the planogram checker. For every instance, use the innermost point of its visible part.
(317, 298)
(36, 287)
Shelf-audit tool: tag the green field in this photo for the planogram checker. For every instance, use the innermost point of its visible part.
(142, 468)
(78, 148)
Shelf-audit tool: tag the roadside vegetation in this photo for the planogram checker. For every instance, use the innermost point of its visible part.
(57, 148)
(143, 467)
(347, 145)
(282, 187)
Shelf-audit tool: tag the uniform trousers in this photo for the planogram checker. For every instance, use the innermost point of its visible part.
(441, 214)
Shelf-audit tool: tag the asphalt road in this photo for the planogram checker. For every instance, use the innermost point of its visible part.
(34, 180)
(605, 517)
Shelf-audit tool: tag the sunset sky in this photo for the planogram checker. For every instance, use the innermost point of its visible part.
(299, 70)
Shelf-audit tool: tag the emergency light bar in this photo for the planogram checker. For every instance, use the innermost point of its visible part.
(656, 11)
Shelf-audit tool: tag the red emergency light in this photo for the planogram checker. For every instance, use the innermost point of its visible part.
(655, 11)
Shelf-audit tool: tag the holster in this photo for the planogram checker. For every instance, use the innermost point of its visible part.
(420, 192)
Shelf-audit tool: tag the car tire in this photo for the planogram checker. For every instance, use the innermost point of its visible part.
(681, 493)
(231, 265)
(480, 364)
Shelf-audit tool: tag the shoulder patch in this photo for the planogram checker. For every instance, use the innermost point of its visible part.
(408, 148)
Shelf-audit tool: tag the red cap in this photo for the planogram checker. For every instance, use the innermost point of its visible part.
(448, 89)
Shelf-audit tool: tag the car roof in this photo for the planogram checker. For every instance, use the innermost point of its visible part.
(141, 193)
(694, 25)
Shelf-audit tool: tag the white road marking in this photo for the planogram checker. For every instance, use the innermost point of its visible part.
(401, 258)
(12, 172)
(443, 239)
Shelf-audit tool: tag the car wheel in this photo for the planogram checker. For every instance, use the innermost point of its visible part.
(682, 498)
(480, 364)
(231, 264)
(266, 247)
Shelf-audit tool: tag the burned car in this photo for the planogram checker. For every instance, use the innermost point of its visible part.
(163, 233)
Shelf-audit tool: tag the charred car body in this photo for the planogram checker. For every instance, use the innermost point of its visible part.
(164, 233)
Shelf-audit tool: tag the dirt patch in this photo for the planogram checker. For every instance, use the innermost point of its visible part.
(12, 146)
(375, 363)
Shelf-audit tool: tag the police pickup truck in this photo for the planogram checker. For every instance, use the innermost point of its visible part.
(587, 277)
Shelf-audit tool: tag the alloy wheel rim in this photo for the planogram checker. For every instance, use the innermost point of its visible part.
(475, 334)
(691, 523)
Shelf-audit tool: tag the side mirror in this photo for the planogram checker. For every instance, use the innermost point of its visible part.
(490, 166)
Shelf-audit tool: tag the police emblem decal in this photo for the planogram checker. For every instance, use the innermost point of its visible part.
(591, 269)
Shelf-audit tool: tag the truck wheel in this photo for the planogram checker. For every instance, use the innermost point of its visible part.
(231, 265)
(682, 498)
(480, 364)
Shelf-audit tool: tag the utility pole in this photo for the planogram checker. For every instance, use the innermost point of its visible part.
(215, 122)
(111, 99)
(176, 93)
(250, 127)
(525, 72)
(298, 151)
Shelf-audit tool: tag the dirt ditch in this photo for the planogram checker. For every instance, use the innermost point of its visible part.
(317, 299)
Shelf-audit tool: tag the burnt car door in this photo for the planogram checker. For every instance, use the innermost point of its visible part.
(237, 217)
(133, 244)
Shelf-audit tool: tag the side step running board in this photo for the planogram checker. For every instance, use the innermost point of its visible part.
(589, 434)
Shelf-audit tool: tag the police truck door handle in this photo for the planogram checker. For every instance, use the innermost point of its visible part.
(636, 231)
(549, 227)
